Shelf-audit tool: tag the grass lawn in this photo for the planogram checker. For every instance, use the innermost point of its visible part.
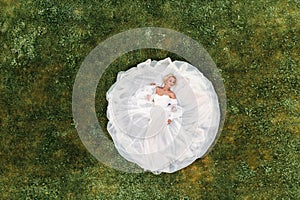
(255, 44)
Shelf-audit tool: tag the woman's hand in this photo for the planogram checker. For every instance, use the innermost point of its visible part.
(173, 108)
(148, 97)
(169, 121)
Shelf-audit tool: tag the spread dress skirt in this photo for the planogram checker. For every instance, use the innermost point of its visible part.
(138, 115)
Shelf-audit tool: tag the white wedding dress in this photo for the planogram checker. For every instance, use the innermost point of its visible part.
(138, 116)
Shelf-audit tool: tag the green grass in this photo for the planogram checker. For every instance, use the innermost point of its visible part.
(255, 44)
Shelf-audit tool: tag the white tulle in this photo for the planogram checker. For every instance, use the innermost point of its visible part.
(138, 116)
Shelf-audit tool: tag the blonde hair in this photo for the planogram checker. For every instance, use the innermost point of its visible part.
(169, 76)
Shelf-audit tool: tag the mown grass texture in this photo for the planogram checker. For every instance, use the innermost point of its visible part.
(255, 44)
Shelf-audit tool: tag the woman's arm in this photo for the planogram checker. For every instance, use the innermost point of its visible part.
(152, 91)
(174, 110)
(173, 105)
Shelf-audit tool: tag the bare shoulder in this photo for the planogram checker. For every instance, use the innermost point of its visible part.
(158, 88)
(172, 95)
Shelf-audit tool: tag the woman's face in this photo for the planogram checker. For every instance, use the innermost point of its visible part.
(170, 81)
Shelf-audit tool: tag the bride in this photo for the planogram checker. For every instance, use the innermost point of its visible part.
(162, 112)
(166, 125)
(162, 92)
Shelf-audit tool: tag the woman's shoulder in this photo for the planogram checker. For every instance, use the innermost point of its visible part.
(158, 88)
(172, 95)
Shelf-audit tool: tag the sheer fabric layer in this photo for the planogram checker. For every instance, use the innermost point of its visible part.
(138, 126)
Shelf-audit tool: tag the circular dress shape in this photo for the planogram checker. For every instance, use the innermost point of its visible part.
(138, 116)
